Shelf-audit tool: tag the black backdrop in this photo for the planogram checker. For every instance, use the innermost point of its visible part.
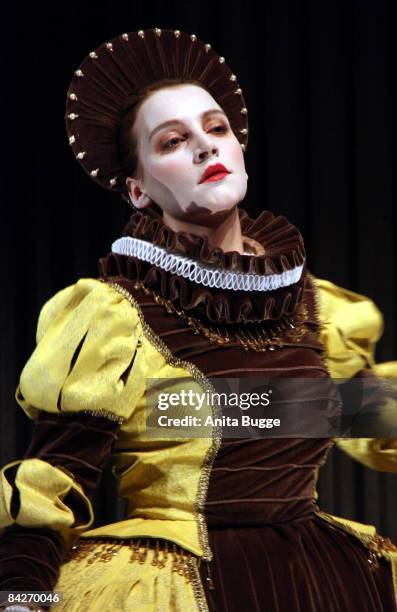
(318, 81)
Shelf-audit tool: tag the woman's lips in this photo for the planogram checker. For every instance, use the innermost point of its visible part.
(216, 177)
(214, 172)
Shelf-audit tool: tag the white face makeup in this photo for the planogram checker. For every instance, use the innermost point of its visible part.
(173, 157)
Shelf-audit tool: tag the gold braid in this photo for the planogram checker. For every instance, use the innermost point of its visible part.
(262, 336)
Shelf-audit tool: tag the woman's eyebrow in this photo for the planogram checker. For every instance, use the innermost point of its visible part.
(173, 121)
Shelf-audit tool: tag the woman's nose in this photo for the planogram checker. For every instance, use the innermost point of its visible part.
(204, 150)
(203, 153)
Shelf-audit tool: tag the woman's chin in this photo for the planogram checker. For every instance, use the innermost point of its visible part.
(210, 217)
(221, 199)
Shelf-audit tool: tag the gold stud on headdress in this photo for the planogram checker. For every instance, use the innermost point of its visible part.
(99, 98)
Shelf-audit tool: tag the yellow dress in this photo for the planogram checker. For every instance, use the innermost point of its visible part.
(89, 334)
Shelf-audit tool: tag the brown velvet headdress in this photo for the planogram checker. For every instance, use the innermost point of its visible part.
(98, 94)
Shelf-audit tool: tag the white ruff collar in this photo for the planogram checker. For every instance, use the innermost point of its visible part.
(203, 274)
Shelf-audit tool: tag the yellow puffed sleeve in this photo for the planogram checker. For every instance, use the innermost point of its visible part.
(350, 326)
(87, 337)
(43, 495)
(85, 360)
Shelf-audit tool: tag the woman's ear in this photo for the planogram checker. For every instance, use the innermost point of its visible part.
(139, 199)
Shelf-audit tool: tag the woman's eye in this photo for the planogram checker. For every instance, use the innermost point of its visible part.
(222, 127)
(168, 145)
(172, 142)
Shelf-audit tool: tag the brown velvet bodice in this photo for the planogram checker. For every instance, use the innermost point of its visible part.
(252, 480)
(259, 482)
(235, 493)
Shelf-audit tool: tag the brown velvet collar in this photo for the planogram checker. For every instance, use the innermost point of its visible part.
(277, 246)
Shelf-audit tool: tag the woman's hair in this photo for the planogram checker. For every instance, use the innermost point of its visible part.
(126, 140)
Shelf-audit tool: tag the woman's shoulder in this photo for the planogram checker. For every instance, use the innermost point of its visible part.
(86, 299)
(87, 336)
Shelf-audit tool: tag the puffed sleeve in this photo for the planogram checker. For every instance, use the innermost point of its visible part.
(87, 336)
(350, 326)
(77, 387)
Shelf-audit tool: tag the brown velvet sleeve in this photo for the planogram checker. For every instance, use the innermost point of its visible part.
(79, 444)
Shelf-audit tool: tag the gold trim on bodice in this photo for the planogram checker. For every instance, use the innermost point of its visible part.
(261, 336)
(203, 381)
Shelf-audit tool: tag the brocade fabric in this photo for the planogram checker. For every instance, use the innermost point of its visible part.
(255, 521)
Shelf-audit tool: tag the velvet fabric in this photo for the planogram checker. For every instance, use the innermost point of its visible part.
(294, 566)
(67, 441)
(283, 250)
(80, 444)
(29, 558)
(304, 357)
(102, 90)
(271, 551)
(281, 241)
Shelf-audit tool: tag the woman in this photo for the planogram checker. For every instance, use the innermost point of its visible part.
(194, 289)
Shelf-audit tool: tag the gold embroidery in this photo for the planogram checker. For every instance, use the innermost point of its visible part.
(376, 544)
(93, 550)
(110, 584)
(197, 585)
(100, 413)
(261, 336)
(317, 300)
(203, 381)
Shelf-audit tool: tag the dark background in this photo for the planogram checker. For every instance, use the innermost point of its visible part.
(319, 85)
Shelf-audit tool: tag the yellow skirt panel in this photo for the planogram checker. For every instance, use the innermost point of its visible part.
(106, 575)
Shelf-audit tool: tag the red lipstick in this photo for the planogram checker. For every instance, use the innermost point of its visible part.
(215, 172)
